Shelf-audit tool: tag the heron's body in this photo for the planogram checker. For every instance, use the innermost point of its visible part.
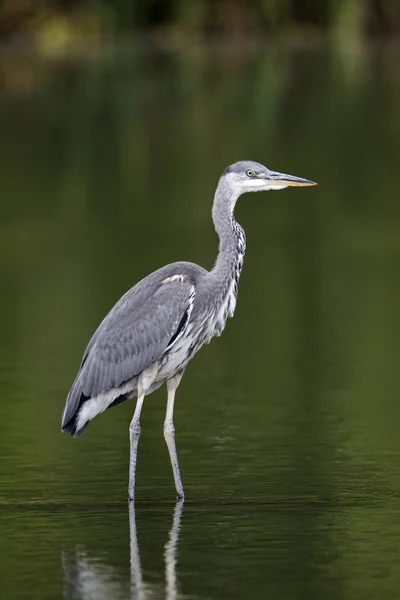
(184, 282)
(155, 329)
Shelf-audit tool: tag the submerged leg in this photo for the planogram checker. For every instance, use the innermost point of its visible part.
(169, 432)
(145, 380)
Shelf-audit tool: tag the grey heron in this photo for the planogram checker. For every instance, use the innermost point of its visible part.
(154, 330)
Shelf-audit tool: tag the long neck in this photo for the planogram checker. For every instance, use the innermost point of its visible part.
(232, 240)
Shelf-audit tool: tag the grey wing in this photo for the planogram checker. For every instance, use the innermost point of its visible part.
(134, 334)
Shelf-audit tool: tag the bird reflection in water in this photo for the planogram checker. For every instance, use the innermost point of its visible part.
(87, 578)
(140, 590)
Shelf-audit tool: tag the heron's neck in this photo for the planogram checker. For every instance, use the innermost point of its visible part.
(232, 239)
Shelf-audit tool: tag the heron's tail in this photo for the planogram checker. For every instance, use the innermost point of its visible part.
(72, 426)
(73, 404)
(80, 409)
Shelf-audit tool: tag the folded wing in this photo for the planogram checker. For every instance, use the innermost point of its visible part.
(134, 334)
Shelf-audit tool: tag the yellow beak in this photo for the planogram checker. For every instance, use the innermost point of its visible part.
(283, 179)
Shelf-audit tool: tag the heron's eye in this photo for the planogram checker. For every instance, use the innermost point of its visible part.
(250, 173)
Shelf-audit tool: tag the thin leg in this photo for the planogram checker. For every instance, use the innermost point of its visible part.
(145, 380)
(134, 434)
(169, 432)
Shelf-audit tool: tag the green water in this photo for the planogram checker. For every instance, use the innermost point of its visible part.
(286, 426)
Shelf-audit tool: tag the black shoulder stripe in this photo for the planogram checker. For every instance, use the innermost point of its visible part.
(182, 324)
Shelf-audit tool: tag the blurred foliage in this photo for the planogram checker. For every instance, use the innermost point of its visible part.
(60, 24)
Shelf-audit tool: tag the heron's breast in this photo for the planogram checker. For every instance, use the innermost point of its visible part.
(226, 309)
(177, 356)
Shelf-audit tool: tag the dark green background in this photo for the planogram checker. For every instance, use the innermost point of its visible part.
(287, 426)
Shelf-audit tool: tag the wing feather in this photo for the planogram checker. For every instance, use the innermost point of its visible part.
(134, 334)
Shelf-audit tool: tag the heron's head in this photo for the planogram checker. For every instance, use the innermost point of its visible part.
(249, 176)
